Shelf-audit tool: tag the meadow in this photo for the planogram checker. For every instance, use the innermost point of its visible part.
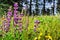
(48, 29)
(19, 26)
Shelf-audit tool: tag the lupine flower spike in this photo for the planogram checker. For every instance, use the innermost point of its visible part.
(9, 14)
(20, 26)
(36, 24)
(15, 6)
(15, 13)
(5, 26)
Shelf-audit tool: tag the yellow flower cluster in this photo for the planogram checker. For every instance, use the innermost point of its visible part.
(39, 37)
(48, 37)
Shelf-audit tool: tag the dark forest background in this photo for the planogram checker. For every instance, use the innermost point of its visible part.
(4, 5)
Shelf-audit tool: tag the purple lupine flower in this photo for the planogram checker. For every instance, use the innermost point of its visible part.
(36, 24)
(15, 4)
(15, 16)
(20, 26)
(6, 26)
(15, 8)
(8, 18)
(6, 29)
(16, 20)
(9, 14)
(15, 11)
(8, 21)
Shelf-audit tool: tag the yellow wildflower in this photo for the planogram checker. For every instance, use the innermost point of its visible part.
(39, 36)
(48, 37)
(35, 38)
